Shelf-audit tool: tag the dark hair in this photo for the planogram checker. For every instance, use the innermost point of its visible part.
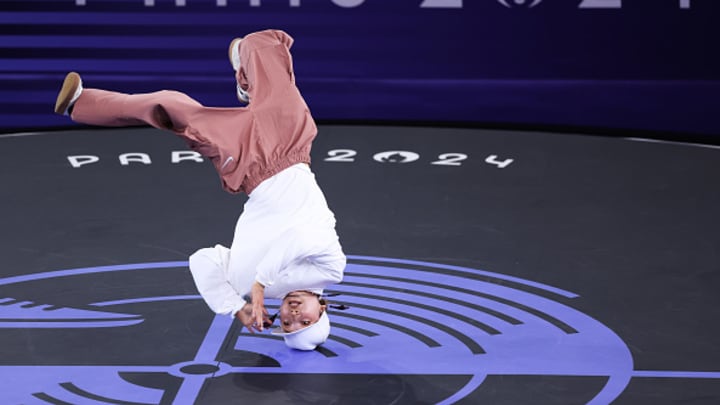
(324, 301)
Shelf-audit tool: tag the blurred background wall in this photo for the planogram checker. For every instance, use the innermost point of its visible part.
(598, 65)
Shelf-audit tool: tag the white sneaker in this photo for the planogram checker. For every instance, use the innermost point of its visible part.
(234, 53)
(234, 56)
(242, 95)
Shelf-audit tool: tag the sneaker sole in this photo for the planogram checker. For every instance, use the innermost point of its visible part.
(70, 85)
(233, 44)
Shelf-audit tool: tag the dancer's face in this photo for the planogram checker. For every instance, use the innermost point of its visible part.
(299, 309)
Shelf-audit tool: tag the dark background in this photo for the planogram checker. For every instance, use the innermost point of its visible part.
(650, 67)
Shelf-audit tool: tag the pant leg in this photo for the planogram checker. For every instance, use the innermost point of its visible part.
(166, 109)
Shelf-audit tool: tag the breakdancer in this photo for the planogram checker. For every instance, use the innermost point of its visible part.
(284, 245)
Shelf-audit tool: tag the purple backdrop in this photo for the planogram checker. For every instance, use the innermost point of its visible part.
(635, 65)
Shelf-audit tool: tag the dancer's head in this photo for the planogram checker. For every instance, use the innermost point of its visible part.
(304, 323)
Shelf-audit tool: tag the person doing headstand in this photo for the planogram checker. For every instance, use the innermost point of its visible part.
(284, 245)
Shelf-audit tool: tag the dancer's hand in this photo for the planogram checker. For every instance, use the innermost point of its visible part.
(259, 313)
(245, 317)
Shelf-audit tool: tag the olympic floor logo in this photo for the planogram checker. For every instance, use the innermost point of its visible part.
(512, 3)
(405, 318)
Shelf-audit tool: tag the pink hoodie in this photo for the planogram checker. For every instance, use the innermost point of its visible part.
(245, 144)
(276, 129)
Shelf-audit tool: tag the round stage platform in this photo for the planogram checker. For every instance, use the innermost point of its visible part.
(484, 266)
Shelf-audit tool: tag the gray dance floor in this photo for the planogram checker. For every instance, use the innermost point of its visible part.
(485, 266)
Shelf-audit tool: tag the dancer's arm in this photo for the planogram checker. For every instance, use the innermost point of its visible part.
(208, 270)
(316, 258)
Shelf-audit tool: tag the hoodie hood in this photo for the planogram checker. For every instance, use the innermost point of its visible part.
(266, 67)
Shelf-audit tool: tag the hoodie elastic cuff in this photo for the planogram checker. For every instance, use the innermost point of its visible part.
(237, 308)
